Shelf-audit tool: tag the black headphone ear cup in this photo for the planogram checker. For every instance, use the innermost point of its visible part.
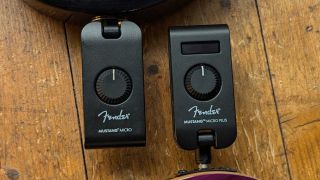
(82, 11)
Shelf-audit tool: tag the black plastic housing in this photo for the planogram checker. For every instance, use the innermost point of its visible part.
(99, 54)
(187, 124)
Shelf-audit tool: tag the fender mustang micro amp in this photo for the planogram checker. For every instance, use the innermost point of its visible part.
(113, 93)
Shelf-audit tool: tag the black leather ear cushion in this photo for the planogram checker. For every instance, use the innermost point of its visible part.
(102, 6)
(142, 9)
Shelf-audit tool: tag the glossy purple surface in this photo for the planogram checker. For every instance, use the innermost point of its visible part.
(221, 177)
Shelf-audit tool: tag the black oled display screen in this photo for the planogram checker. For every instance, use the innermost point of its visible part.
(202, 47)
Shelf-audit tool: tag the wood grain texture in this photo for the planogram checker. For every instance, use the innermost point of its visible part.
(39, 137)
(291, 30)
(258, 150)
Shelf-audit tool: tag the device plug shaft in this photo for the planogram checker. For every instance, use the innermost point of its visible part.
(205, 140)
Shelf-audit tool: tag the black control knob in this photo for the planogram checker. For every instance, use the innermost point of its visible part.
(113, 86)
(203, 82)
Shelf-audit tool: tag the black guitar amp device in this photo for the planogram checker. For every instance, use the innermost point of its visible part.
(202, 88)
(113, 93)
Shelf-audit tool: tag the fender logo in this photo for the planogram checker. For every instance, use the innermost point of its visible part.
(198, 112)
(120, 117)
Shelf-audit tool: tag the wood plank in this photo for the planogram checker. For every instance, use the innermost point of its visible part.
(258, 150)
(291, 31)
(39, 127)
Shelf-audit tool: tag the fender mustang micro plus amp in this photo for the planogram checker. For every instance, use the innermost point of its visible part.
(202, 88)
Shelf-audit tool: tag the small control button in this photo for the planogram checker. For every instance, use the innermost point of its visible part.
(203, 82)
(113, 86)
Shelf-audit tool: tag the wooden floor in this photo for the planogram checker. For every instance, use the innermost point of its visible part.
(276, 64)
